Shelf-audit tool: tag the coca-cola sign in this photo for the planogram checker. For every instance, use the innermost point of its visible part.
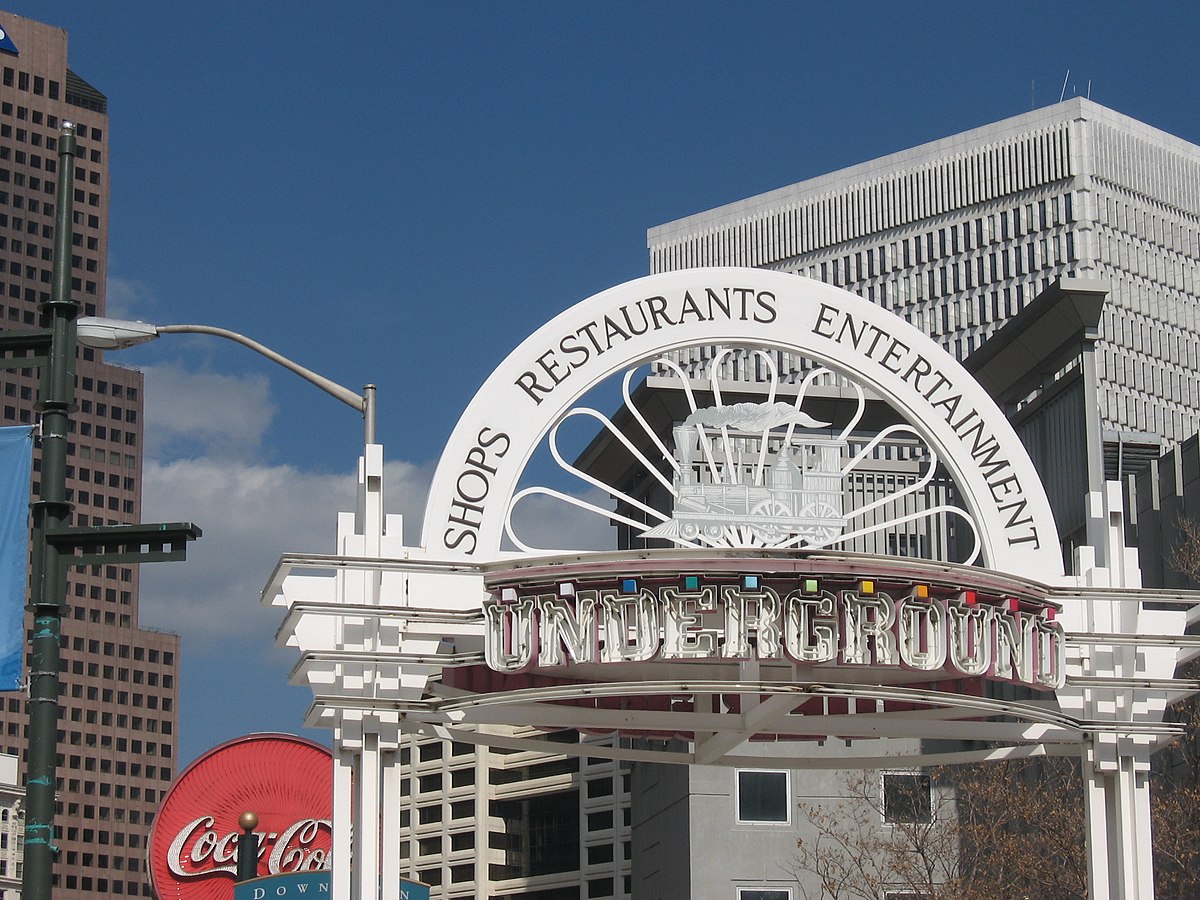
(285, 780)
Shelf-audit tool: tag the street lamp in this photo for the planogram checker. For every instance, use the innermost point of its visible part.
(117, 334)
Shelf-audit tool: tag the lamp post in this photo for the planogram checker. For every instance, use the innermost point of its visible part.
(57, 545)
(116, 334)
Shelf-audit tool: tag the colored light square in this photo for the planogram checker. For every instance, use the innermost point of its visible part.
(811, 586)
(1012, 604)
(566, 589)
(969, 598)
(750, 582)
(691, 582)
(921, 591)
(629, 586)
(867, 587)
(1049, 613)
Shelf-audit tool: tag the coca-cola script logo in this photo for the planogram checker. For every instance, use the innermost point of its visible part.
(285, 780)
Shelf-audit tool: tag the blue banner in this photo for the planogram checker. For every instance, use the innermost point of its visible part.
(16, 463)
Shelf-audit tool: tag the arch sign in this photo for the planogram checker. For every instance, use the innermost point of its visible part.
(835, 532)
(749, 308)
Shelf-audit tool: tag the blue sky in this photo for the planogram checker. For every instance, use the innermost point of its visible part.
(401, 192)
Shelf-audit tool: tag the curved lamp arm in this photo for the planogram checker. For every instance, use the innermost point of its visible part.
(116, 334)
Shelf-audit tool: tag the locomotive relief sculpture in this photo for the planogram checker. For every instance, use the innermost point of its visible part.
(755, 473)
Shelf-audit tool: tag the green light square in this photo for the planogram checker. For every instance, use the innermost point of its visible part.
(691, 582)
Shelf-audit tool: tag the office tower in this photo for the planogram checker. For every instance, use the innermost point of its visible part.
(117, 731)
(960, 234)
(508, 824)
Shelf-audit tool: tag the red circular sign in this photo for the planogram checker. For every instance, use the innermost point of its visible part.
(285, 780)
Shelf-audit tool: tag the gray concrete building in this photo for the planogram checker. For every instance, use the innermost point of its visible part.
(960, 234)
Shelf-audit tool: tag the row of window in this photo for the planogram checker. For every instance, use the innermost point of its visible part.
(103, 885)
(94, 670)
(105, 813)
(100, 836)
(119, 744)
(112, 457)
(765, 797)
(44, 276)
(34, 138)
(35, 115)
(102, 861)
(94, 615)
(940, 244)
(105, 789)
(119, 413)
(111, 648)
(120, 767)
(23, 82)
(100, 386)
(42, 87)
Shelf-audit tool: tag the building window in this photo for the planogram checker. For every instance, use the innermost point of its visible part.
(759, 894)
(907, 798)
(763, 797)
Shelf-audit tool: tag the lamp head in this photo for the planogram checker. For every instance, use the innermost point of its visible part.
(112, 334)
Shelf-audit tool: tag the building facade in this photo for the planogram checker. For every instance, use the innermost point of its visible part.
(117, 734)
(507, 824)
(960, 234)
(12, 827)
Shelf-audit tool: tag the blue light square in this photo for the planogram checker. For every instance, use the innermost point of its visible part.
(629, 586)
(750, 582)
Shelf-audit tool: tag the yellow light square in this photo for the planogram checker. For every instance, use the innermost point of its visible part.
(868, 587)
(921, 591)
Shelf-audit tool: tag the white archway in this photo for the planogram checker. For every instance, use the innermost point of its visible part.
(641, 319)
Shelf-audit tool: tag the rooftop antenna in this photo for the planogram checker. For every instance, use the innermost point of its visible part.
(1062, 96)
(1089, 94)
(1033, 94)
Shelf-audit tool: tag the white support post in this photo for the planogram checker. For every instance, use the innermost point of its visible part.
(390, 831)
(343, 786)
(1095, 814)
(1116, 769)
(366, 851)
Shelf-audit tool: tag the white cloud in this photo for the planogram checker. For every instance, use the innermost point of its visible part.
(127, 298)
(250, 514)
(204, 436)
(202, 414)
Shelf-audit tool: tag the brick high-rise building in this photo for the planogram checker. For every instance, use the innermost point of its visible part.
(117, 731)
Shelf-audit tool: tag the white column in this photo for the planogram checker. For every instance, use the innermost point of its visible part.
(1096, 816)
(343, 781)
(366, 851)
(392, 802)
(1116, 769)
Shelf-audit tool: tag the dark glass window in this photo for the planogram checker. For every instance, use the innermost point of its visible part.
(907, 798)
(762, 796)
